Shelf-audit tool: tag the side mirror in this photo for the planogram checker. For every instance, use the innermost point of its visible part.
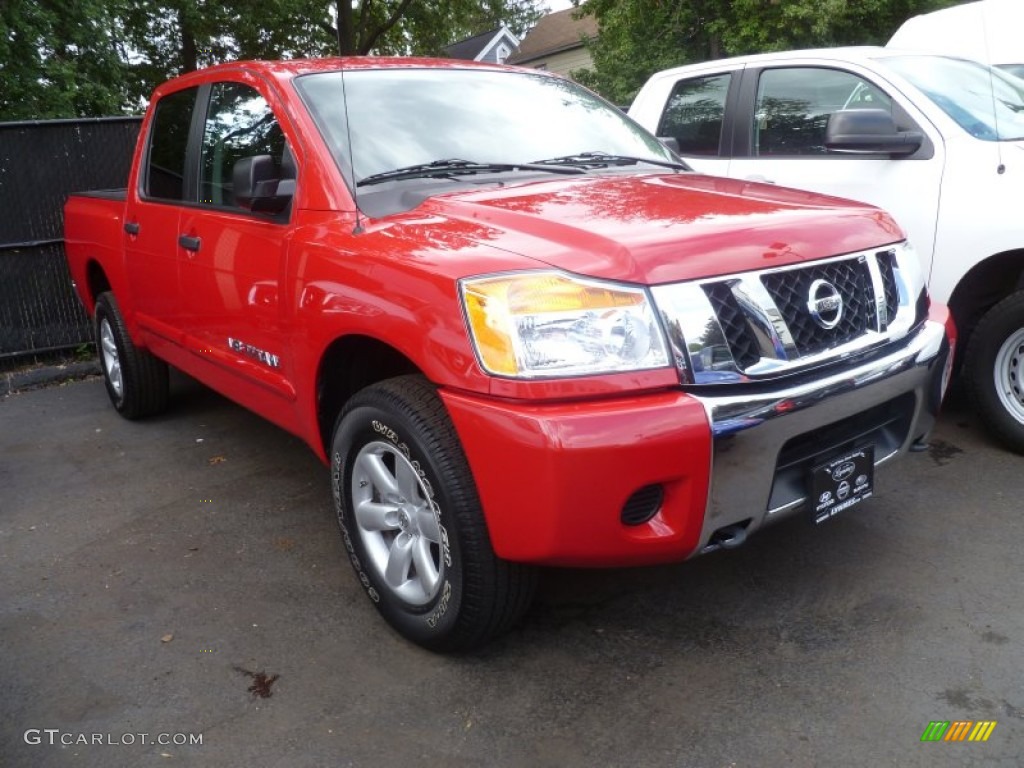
(869, 132)
(671, 142)
(256, 186)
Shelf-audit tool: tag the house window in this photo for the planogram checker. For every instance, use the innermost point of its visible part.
(503, 52)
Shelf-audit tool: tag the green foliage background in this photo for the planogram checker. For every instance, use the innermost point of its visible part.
(640, 37)
(80, 58)
(71, 58)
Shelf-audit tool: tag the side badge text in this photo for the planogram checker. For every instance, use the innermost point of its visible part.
(254, 352)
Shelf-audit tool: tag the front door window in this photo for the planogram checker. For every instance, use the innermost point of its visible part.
(794, 105)
(239, 124)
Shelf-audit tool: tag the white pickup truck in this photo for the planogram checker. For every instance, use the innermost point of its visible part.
(938, 142)
(986, 30)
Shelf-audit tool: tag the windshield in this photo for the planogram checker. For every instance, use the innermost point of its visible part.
(407, 117)
(1014, 69)
(984, 101)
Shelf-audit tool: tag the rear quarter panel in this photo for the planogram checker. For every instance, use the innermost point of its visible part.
(93, 233)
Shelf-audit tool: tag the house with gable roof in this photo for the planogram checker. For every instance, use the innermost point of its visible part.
(492, 47)
(558, 43)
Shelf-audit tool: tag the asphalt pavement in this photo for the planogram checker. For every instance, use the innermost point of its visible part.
(183, 578)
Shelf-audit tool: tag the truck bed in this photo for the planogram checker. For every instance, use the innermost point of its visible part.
(121, 195)
(93, 231)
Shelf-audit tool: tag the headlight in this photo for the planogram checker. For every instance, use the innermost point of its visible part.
(537, 324)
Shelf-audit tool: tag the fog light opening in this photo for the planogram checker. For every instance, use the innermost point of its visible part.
(642, 505)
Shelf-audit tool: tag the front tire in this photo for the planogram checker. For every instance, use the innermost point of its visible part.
(412, 523)
(137, 382)
(994, 370)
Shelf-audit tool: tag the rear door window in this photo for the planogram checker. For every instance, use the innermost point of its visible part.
(172, 121)
(694, 114)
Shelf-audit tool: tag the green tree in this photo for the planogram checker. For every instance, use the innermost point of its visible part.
(640, 37)
(424, 27)
(756, 26)
(61, 58)
(175, 36)
(67, 58)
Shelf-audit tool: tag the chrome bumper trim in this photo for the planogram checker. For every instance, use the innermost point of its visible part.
(751, 429)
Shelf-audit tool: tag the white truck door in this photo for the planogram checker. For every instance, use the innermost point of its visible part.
(786, 114)
(692, 110)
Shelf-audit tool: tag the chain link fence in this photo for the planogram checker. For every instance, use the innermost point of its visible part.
(41, 163)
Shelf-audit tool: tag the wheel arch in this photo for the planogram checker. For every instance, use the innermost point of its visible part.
(983, 286)
(96, 282)
(348, 364)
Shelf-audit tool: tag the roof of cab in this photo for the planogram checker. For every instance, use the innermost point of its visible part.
(860, 53)
(288, 69)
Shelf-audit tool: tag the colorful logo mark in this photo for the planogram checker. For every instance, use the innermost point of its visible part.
(958, 730)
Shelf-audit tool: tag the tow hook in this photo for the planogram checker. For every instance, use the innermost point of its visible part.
(729, 537)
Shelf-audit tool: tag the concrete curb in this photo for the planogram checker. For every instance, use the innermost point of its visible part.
(17, 381)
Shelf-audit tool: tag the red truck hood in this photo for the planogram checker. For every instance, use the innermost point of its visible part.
(664, 227)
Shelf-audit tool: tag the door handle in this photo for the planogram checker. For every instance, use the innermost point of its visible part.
(132, 227)
(189, 243)
(760, 179)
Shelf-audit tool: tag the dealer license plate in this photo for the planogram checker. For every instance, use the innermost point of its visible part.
(843, 482)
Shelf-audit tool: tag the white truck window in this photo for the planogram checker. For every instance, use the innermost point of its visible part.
(694, 113)
(794, 105)
(984, 102)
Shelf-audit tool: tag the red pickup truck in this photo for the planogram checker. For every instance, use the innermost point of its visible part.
(516, 327)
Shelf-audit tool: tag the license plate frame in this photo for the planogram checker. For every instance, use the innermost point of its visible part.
(842, 482)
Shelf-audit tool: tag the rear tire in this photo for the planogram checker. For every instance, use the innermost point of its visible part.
(994, 370)
(137, 382)
(412, 523)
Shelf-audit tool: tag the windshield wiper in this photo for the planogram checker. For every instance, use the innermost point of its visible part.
(454, 166)
(603, 159)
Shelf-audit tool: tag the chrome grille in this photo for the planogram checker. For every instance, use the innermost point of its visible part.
(892, 294)
(734, 324)
(764, 324)
(790, 291)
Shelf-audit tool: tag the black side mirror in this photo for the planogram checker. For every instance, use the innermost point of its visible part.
(869, 132)
(671, 142)
(256, 186)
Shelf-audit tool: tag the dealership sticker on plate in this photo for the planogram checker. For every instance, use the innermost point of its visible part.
(842, 483)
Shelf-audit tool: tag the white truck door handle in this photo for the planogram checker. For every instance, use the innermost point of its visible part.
(759, 178)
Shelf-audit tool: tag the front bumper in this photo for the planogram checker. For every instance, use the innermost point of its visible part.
(553, 478)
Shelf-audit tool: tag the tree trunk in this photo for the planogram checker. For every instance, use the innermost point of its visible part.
(715, 47)
(189, 52)
(346, 29)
